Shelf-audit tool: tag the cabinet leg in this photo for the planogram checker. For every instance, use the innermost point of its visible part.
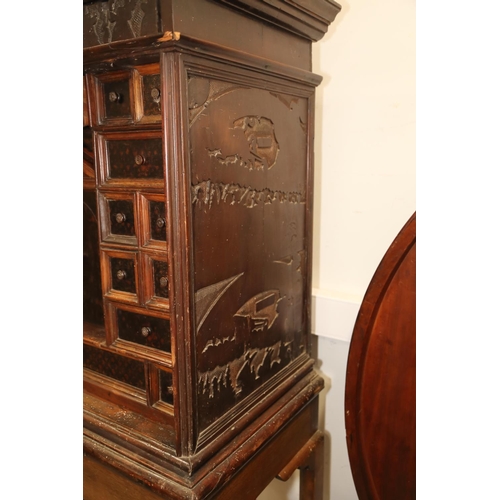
(311, 472)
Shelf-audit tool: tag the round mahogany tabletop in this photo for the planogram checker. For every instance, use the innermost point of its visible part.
(381, 378)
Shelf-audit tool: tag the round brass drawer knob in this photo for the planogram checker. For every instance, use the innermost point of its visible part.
(115, 97)
(121, 274)
(155, 94)
(145, 331)
(120, 218)
(163, 281)
(140, 160)
(160, 222)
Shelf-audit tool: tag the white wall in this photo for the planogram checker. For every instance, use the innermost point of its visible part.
(364, 190)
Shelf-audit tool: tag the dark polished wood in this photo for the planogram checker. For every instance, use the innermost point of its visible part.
(380, 395)
(198, 175)
(285, 434)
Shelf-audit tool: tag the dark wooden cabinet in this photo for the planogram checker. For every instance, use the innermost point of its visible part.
(198, 168)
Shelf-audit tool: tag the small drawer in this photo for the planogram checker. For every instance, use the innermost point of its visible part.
(135, 159)
(154, 221)
(115, 101)
(156, 282)
(125, 370)
(157, 221)
(150, 92)
(131, 159)
(160, 279)
(166, 387)
(120, 275)
(121, 215)
(123, 275)
(117, 212)
(143, 329)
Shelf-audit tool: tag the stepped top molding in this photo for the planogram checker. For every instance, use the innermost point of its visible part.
(307, 18)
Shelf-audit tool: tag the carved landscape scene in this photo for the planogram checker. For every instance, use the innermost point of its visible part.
(248, 196)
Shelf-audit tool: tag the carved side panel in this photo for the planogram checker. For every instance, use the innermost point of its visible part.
(112, 20)
(248, 185)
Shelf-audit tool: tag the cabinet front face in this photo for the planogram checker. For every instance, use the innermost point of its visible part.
(127, 338)
(249, 200)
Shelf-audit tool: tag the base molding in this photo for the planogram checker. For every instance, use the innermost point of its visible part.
(248, 463)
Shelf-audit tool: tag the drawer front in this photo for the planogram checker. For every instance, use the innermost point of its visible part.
(126, 370)
(123, 274)
(145, 330)
(116, 97)
(151, 96)
(160, 279)
(121, 217)
(157, 221)
(135, 159)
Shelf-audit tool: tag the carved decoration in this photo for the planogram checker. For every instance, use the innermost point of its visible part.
(287, 261)
(108, 21)
(205, 193)
(303, 125)
(253, 360)
(257, 315)
(287, 100)
(259, 132)
(203, 92)
(206, 298)
(248, 150)
(263, 145)
(260, 312)
(103, 26)
(217, 342)
(135, 22)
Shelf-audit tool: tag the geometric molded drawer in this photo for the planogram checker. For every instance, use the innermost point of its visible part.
(150, 101)
(131, 159)
(135, 159)
(120, 275)
(129, 96)
(143, 329)
(160, 274)
(157, 226)
(123, 274)
(125, 370)
(115, 104)
(118, 218)
(154, 223)
(156, 282)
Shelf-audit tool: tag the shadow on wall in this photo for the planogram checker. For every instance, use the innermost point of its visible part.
(290, 490)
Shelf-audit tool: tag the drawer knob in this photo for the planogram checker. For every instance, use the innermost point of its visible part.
(115, 97)
(120, 218)
(155, 94)
(163, 281)
(145, 331)
(121, 274)
(140, 160)
(160, 222)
